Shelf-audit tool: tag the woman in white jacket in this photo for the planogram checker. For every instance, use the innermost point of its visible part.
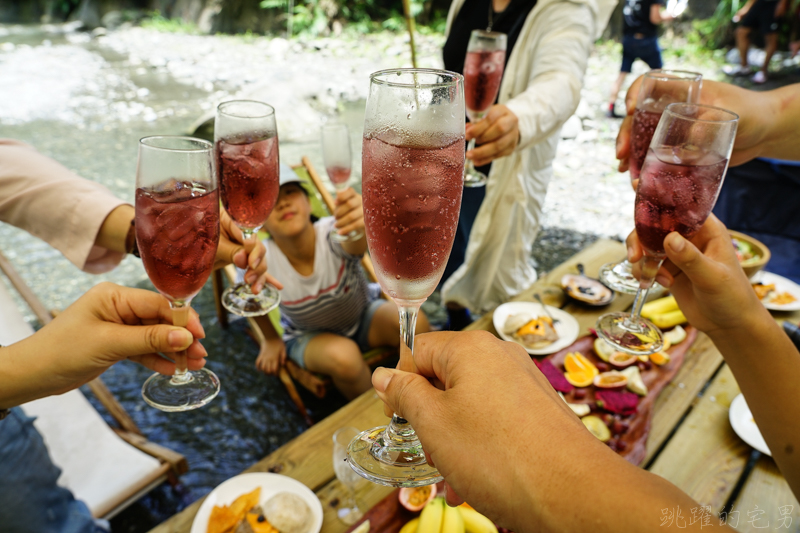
(540, 90)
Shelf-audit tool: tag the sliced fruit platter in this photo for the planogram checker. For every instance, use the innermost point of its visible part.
(613, 392)
(420, 510)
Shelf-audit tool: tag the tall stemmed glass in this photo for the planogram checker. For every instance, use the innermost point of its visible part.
(413, 167)
(678, 186)
(338, 164)
(483, 70)
(348, 510)
(246, 137)
(177, 232)
(659, 88)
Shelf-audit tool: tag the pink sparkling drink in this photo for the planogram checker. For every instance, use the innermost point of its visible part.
(412, 198)
(177, 232)
(249, 178)
(644, 126)
(483, 71)
(338, 175)
(675, 196)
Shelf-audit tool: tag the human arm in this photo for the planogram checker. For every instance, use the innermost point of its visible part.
(743, 10)
(767, 121)
(106, 325)
(272, 355)
(659, 15)
(349, 215)
(712, 291)
(517, 453)
(780, 8)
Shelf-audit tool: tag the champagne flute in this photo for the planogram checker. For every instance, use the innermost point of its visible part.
(338, 164)
(413, 168)
(246, 137)
(678, 186)
(177, 232)
(659, 88)
(348, 510)
(483, 71)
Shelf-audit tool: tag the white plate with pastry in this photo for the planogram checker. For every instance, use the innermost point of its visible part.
(527, 324)
(776, 292)
(271, 485)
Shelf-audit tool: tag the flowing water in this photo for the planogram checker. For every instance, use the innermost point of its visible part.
(85, 101)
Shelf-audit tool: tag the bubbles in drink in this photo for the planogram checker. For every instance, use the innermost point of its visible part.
(177, 232)
(249, 176)
(644, 126)
(676, 196)
(483, 71)
(412, 198)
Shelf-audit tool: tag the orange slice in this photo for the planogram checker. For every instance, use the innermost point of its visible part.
(660, 358)
(577, 362)
(579, 379)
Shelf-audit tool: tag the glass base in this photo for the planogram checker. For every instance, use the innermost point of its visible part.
(241, 301)
(627, 333)
(473, 178)
(379, 459)
(348, 511)
(347, 237)
(619, 276)
(169, 393)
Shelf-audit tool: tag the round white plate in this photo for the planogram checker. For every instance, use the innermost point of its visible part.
(270, 484)
(744, 425)
(566, 327)
(781, 285)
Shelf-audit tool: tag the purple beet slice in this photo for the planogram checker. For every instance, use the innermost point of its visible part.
(554, 376)
(616, 401)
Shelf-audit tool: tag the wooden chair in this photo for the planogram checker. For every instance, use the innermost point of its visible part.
(120, 465)
(322, 205)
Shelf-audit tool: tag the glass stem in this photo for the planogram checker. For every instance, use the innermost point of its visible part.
(180, 317)
(400, 429)
(248, 233)
(650, 266)
(470, 164)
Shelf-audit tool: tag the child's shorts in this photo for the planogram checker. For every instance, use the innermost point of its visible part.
(296, 346)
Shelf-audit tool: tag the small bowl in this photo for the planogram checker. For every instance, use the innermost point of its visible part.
(754, 265)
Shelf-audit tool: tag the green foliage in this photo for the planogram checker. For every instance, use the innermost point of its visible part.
(309, 18)
(155, 21)
(715, 32)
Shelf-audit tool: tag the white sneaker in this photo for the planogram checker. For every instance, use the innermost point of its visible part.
(736, 70)
(759, 77)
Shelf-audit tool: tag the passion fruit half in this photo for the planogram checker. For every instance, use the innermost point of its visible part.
(415, 498)
(610, 380)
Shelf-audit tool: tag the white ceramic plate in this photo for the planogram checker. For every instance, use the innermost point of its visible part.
(781, 285)
(270, 484)
(566, 327)
(744, 425)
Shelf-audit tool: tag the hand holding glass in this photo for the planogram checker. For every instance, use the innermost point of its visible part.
(659, 88)
(246, 137)
(678, 187)
(483, 71)
(177, 232)
(338, 163)
(413, 168)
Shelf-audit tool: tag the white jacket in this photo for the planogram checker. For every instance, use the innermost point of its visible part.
(541, 85)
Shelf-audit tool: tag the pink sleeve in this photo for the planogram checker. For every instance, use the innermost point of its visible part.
(42, 197)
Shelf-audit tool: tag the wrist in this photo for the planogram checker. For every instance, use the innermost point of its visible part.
(755, 325)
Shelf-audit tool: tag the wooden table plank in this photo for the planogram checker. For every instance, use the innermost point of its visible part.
(706, 458)
(766, 490)
(307, 458)
(678, 396)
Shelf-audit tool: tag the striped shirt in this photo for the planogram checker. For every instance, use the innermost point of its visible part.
(331, 299)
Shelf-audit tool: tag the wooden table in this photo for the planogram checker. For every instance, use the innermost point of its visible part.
(691, 442)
